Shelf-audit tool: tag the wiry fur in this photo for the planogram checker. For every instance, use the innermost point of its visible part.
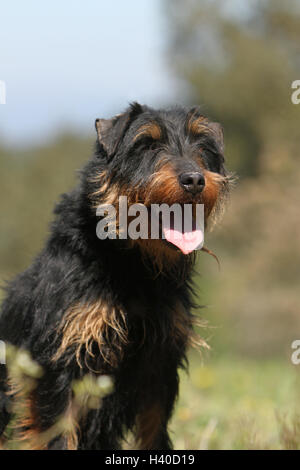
(117, 307)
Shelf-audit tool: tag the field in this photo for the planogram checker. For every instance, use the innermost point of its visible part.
(244, 394)
(235, 403)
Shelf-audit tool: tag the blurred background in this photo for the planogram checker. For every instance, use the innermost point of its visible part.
(66, 64)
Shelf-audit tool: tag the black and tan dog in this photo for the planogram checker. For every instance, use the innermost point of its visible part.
(116, 307)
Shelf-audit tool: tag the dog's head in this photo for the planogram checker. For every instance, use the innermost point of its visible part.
(173, 156)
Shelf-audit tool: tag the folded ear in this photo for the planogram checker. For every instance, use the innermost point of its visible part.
(111, 131)
(103, 128)
(218, 132)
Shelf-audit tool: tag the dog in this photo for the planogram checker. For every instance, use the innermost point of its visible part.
(118, 307)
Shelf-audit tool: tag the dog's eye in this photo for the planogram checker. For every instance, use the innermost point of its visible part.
(214, 160)
(145, 143)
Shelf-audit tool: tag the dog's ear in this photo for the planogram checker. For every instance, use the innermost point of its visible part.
(218, 133)
(104, 128)
(110, 132)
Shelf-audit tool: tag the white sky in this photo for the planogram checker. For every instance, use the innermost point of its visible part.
(67, 62)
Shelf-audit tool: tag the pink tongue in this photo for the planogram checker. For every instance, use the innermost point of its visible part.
(186, 242)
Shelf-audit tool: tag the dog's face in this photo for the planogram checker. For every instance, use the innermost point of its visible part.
(161, 156)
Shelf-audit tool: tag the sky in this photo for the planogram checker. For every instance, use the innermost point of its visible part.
(64, 63)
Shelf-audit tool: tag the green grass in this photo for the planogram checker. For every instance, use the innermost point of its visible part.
(225, 403)
(233, 403)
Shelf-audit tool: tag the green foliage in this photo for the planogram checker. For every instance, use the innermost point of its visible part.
(23, 373)
(31, 181)
(239, 60)
(234, 403)
(240, 65)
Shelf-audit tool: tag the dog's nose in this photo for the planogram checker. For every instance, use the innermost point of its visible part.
(192, 182)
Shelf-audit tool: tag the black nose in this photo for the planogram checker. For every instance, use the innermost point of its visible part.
(192, 182)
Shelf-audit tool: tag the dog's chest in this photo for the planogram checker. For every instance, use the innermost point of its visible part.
(157, 324)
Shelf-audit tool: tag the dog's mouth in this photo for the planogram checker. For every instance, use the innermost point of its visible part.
(187, 237)
(185, 241)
